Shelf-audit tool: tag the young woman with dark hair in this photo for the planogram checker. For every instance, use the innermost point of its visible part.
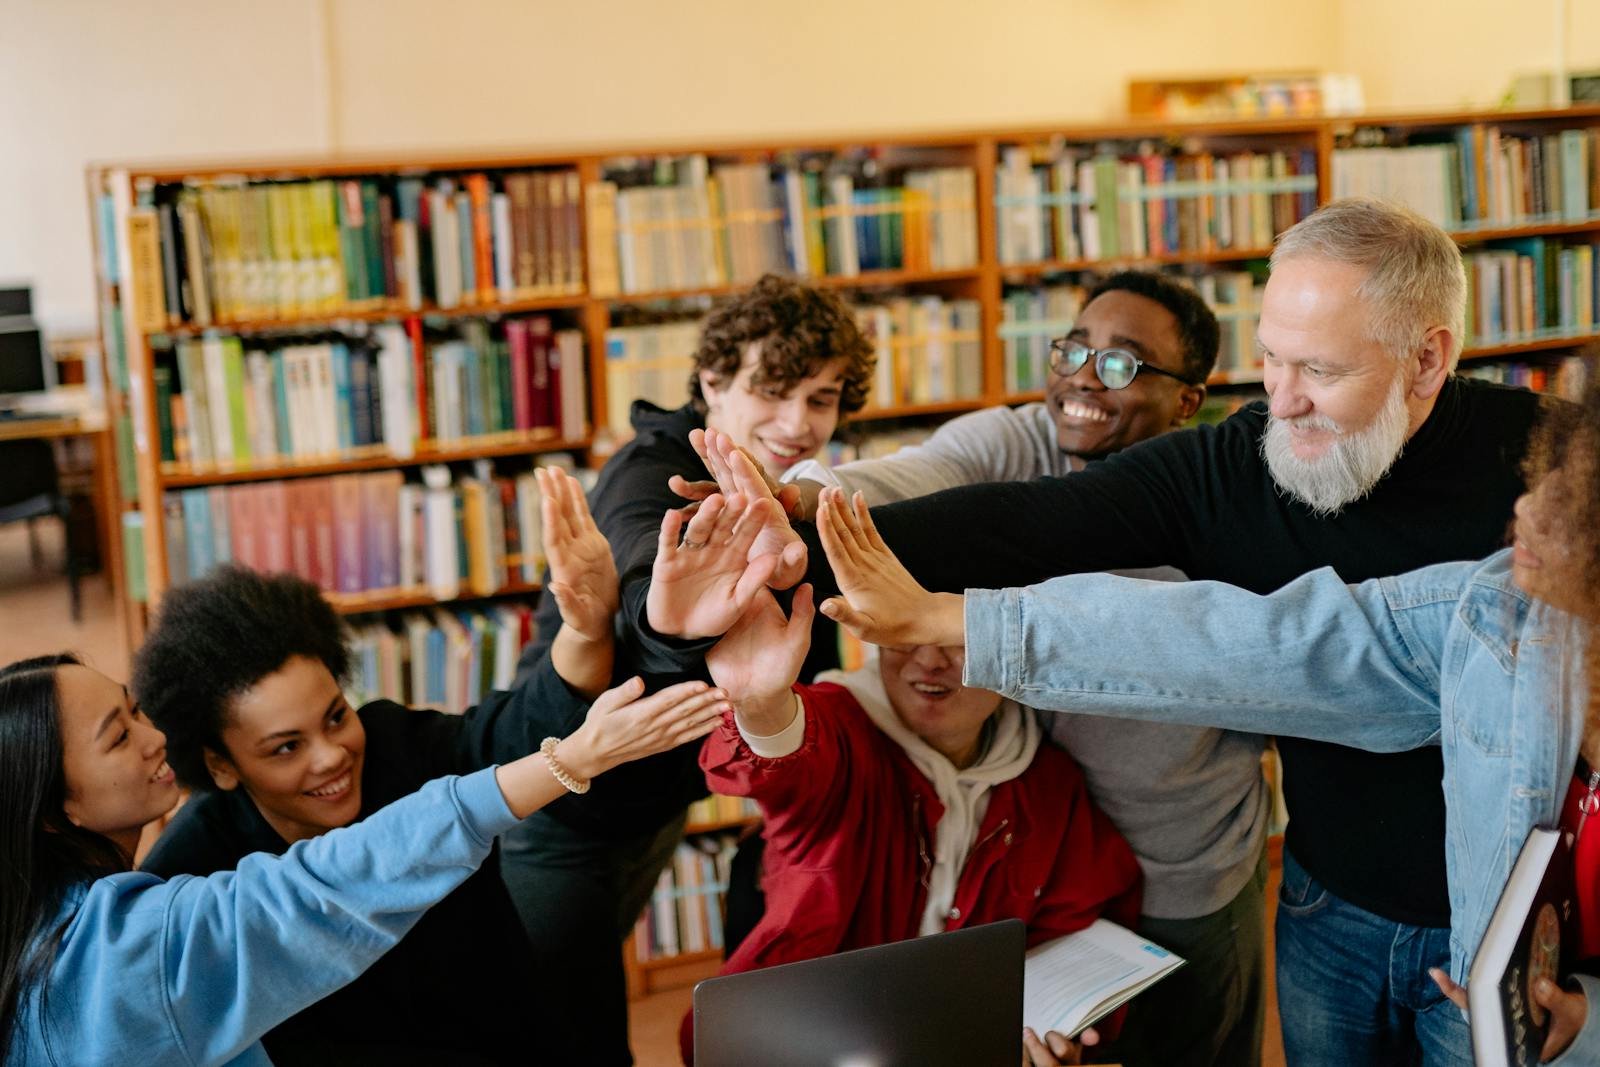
(102, 964)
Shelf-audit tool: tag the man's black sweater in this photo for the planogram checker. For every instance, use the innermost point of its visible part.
(460, 986)
(628, 503)
(1370, 827)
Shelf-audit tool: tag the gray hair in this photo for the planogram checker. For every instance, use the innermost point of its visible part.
(1415, 280)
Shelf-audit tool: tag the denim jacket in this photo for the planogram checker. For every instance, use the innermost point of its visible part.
(1452, 655)
(195, 970)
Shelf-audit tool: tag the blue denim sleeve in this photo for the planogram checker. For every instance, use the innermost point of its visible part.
(206, 966)
(1585, 1048)
(1318, 658)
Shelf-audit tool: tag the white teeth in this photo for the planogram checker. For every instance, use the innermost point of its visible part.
(161, 771)
(339, 785)
(930, 688)
(1072, 409)
(782, 451)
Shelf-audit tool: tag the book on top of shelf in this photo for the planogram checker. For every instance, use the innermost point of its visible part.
(685, 223)
(225, 251)
(367, 535)
(361, 393)
(1077, 202)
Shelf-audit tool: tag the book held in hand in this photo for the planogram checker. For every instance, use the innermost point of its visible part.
(1530, 936)
(1074, 981)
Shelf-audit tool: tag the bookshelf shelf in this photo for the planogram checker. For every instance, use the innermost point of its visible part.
(389, 313)
(865, 280)
(174, 476)
(719, 825)
(682, 959)
(1063, 266)
(1518, 348)
(138, 245)
(943, 407)
(400, 599)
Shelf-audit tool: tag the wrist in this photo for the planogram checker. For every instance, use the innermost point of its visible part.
(945, 622)
(765, 713)
(577, 757)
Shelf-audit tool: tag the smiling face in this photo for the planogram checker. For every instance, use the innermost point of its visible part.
(114, 761)
(779, 425)
(925, 690)
(296, 747)
(1093, 421)
(1547, 556)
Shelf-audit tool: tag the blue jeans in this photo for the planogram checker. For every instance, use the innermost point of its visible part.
(1353, 988)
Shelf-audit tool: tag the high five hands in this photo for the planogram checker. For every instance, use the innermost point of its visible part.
(879, 601)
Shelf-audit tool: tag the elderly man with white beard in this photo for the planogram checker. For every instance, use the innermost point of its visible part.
(1370, 457)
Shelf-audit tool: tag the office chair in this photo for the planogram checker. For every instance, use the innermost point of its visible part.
(30, 490)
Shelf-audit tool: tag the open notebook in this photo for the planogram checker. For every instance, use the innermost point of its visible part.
(1071, 982)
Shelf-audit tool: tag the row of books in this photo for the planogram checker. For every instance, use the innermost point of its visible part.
(1066, 204)
(236, 251)
(443, 660)
(1481, 177)
(1531, 289)
(717, 809)
(684, 224)
(1568, 377)
(929, 350)
(227, 401)
(361, 535)
(685, 910)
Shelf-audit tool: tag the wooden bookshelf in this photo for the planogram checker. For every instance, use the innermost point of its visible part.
(399, 599)
(985, 281)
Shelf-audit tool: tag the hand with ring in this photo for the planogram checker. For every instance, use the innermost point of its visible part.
(701, 584)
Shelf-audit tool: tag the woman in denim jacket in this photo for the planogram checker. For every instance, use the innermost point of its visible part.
(1490, 660)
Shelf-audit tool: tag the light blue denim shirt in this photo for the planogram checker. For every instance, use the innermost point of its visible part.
(195, 970)
(1452, 655)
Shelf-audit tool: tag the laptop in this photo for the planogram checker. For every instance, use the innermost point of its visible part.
(946, 1000)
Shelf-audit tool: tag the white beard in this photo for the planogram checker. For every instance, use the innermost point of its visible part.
(1352, 465)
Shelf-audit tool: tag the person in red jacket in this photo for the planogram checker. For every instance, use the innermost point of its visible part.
(898, 803)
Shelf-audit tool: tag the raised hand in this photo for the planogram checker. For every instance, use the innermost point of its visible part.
(733, 466)
(787, 496)
(700, 587)
(879, 601)
(583, 575)
(624, 725)
(760, 658)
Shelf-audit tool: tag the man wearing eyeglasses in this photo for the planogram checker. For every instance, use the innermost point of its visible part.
(1190, 800)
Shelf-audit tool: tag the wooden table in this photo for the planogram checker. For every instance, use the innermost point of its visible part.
(72, 412)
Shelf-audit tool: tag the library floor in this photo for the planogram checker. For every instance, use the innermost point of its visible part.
(36, 617)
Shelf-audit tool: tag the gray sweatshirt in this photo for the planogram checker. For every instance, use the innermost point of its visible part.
(1190, 800)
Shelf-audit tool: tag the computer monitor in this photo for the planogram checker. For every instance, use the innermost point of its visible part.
(21, 357)
(15, 300)
(946, 1000)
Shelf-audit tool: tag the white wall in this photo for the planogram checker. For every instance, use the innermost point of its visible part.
(84, 80)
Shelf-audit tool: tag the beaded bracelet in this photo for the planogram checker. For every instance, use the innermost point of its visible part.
(574, 784)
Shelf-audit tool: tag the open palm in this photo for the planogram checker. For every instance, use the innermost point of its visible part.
(583, 575)
(700, 587)
(763, 653)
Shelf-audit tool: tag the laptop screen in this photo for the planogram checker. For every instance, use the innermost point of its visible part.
(948, 1000)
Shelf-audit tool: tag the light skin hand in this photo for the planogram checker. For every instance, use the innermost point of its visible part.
(1568, 1008)
(583, 581)
(788, 496)
(700, 587)
(879, 601)
(733, 466)
(759, 660)
(625, 725)
(1054, 1050)
(620, 727)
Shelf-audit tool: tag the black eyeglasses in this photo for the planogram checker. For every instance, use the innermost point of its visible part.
(1115, 367)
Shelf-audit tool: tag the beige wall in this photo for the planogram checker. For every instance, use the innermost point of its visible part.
(96, 79)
